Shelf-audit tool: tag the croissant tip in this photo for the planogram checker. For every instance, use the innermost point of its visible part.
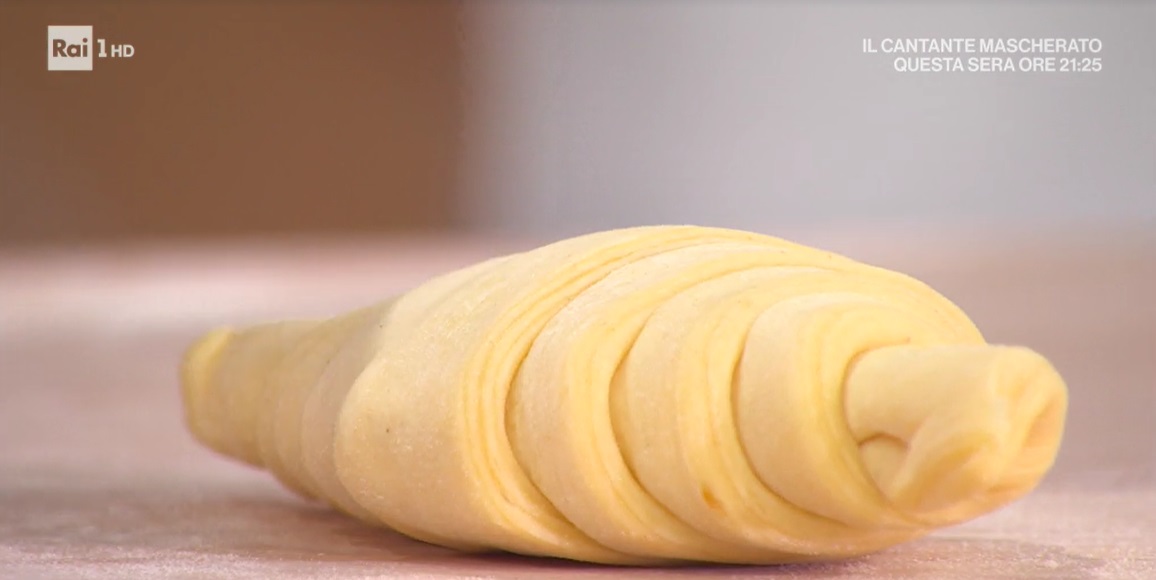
(196, 378)
(985, 431)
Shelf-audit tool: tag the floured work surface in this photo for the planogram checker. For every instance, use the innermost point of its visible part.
(99, 479)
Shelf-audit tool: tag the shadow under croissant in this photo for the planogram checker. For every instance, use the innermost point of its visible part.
(938, 558)
(181, 521)
(935, 557)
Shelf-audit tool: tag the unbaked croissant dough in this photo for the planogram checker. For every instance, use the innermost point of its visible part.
(641, 396)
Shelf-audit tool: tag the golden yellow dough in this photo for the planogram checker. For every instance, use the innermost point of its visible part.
(641, 396)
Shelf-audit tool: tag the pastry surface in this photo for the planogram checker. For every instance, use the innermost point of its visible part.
(641, 396)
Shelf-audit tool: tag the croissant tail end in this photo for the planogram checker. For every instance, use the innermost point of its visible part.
(207, 421)
(951, 432)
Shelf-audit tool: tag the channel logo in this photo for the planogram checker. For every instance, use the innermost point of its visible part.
(74, 47)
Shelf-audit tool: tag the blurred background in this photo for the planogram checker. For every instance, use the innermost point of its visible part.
(254, 117)
(231, 119)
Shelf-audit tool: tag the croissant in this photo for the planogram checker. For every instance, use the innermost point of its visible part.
(644, 396)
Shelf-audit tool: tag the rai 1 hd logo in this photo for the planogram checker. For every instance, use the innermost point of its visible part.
(74, 47)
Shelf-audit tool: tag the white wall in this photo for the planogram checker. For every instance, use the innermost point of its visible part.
(594, 114)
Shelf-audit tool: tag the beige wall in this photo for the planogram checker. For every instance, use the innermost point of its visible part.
(232, 118)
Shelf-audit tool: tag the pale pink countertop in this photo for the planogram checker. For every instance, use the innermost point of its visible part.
(98, 478)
